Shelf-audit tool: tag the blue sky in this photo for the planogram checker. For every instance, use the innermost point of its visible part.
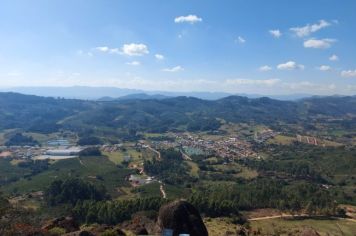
(266, 47)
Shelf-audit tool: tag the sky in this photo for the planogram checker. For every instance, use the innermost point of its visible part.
(266, 47)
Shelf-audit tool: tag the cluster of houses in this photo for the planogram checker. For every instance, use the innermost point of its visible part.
(20, 152)
(111, 148)
(227, 147)
(138, 180)
(264, 135)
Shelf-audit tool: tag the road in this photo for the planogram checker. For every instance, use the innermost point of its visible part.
(164, 195)
(155, 151)
(185, 156)
(81, 162)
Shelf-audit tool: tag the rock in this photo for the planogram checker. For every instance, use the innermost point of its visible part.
(26, 230)
(97, 230)
(80, 233)
(183, 218)
(141, 231)
(120, 232)
(140, 222)
(309, 232)
(67, 223)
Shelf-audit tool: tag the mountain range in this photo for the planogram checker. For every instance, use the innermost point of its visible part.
(112, 93)
(129, 116)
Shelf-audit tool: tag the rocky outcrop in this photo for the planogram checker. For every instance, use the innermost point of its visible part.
(26, 230)
(309, 232)
(181, 217)
(97, 231)
(80, 233)
(67, 223)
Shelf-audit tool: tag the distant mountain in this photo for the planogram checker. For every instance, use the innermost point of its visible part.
(112, 93)
(77, 92)
(98, 93)
(124, 117)
(286, 97)
(136, 96)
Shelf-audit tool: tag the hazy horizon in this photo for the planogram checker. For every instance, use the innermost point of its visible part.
(94, 93)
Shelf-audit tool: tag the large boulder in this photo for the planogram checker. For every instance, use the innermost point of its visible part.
(181, 217)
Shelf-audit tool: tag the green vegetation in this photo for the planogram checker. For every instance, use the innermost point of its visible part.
(113, 212)
(228, 199)
(116, 157)
(128, 119)
(332, 166)
(91, 140)
(171, 168)
(72, 190)
(20, 140)
(96, 169)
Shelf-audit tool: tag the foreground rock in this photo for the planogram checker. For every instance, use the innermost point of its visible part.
(309, 232)
(67, 223)
(181, 217)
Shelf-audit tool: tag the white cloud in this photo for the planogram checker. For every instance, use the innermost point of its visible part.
(348, 73)
(324, 68)
(127, 49)
(265, 68)
(308, 29)
(333, 58)
(240, 40)
(82, 53)
(134, 49)
(191, 19)
(14, 74)
(102, 49)
(275, 33)
(134, 63)
(267, 82)
(159, 57)
(173, 69)
(290, 65)
(319, 43)
(105, 49)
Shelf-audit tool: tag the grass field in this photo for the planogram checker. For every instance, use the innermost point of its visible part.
(219, 226)
(322, 226)
(194, 171)
(244, 172)
(149, 190)
(117, 157)
(247, 173)
(282, 139)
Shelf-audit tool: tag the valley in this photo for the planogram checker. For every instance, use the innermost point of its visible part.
(143, 153)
